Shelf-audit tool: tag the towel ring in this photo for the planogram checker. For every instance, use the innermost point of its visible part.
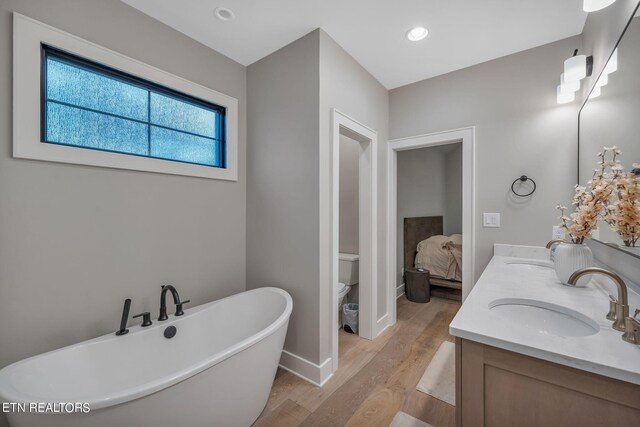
(523, 178)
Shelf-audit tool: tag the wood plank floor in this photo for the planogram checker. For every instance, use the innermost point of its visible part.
(375, 379)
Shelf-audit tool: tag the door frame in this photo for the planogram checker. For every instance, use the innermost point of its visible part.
(466, 136)
(368, 227)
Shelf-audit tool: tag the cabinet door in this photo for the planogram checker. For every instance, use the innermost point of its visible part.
(500, 388)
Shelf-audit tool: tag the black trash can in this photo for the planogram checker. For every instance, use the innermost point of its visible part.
(417, 285)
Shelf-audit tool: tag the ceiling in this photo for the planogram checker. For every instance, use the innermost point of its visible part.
(461, 32)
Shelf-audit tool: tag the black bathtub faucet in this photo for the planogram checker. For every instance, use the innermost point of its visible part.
(176, 301)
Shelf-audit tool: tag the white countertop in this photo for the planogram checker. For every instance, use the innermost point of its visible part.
(603, 353)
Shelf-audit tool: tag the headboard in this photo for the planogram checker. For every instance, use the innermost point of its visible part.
(415, 231)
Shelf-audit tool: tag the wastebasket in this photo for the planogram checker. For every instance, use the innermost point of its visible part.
(417, 286)
(350, 318)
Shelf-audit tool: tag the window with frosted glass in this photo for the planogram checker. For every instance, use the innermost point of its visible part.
(91, 106)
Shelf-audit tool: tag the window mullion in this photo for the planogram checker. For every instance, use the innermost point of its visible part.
(149, 122)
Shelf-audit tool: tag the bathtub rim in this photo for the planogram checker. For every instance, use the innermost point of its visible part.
(9, 394)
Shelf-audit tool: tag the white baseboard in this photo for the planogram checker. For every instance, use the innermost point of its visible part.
(308, 371)
(399, 291)
(382, 324)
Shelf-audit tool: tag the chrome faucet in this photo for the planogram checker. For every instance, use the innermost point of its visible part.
(621, 304)
(176, 301)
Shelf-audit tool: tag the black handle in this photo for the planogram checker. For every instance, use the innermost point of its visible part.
(146, 318)
(179, 311)
(125, 317)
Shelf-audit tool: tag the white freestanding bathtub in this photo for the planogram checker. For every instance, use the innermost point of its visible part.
(216, 371)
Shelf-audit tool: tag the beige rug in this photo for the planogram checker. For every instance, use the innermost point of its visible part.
(402, 419)
(439, 379)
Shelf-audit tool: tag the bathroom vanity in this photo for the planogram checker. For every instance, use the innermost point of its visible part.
(532, 352)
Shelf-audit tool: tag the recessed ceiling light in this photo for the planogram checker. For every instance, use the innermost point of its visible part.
(224, 14)
(417, 34)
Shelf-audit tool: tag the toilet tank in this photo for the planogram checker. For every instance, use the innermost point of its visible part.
(348, 269)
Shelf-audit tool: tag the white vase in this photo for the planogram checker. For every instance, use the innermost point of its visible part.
(569, 258)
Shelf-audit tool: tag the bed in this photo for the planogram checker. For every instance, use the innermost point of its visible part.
(416, 230)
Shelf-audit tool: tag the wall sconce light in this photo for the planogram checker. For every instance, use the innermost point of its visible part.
(603, 80)
(577, 67)
(569, 86)
(612, 65)
(564, 97)
(593, 5)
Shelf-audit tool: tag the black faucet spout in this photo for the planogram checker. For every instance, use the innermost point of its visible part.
(163, 300)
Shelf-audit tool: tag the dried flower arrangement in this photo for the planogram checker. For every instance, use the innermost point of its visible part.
(590, 201)
(622, 213)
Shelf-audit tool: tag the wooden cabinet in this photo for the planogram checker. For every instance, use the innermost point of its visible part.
(496, 387)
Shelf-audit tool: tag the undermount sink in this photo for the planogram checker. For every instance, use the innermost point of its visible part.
(531, 264)
(544, 317)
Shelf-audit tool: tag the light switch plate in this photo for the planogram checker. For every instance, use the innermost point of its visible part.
(557, 233)
(491, 220)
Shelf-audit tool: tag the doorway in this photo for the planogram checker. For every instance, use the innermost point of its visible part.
(429, 211)
(465, 137)
(345, 127)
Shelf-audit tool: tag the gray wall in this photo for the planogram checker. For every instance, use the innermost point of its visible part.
(282, 184)
(453, 189)
(519, 130)
(292, 92)
(347, 86)
(350, 151)
(75, 241)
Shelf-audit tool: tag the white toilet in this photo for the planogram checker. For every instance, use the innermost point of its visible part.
(347, 276)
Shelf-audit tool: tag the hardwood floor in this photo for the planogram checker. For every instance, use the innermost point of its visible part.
(375, 379)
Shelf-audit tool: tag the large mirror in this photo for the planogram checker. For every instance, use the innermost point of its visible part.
(612, 118)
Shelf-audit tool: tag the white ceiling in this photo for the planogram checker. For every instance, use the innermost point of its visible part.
(461, 32)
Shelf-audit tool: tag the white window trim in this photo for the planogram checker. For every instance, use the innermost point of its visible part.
(28, 35)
